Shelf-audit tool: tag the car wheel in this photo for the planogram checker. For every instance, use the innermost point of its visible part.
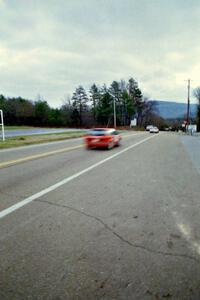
(110, 145)
(118, 143)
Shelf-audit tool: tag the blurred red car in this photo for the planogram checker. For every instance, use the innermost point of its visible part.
(102, 138)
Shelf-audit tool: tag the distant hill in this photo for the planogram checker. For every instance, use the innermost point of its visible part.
(174, 110)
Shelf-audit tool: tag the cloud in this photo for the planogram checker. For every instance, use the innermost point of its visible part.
(50, 48)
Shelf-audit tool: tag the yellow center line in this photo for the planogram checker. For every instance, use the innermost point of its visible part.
(36, 156)
(20, 160)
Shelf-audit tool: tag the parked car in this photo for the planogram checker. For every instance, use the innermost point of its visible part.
(154, 130)
(149, 127)
(102, 138)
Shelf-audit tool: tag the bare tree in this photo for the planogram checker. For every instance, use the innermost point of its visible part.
(150, 110)
(196, 93)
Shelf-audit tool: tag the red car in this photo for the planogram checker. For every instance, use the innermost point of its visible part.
(102, 138)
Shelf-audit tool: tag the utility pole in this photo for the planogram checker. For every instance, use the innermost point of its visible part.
(114, 109)
(114, 104)
(188, 105)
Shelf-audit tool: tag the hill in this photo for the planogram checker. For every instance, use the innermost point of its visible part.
(174, 110)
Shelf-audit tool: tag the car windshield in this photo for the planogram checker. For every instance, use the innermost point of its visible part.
(98, 132)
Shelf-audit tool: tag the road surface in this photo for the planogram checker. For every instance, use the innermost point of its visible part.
(119, 224)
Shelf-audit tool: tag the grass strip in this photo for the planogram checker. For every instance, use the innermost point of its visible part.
(39, 139)
(18, 127)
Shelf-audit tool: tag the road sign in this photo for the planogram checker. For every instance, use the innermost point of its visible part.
(192, 128)
(133, 122)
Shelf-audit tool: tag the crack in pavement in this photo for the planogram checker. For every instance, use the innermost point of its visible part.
(106, 226)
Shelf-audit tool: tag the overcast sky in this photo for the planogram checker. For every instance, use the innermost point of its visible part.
(49, 47)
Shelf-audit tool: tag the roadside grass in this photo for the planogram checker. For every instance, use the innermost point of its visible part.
(17, 127)
(39, 139)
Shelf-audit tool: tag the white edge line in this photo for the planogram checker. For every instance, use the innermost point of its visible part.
(26, 201)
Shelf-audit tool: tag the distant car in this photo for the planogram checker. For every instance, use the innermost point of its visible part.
(149, 127)
(102, 138)
(154, 130)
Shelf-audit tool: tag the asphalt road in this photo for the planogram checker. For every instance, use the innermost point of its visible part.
(119, 224)
(192, 145)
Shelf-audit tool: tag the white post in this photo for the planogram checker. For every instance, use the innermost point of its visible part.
(2, 125)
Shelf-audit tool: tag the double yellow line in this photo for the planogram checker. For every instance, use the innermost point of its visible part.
(28, 158)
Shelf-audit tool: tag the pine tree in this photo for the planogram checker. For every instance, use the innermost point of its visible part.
(95, 98)
(79, 102)
(136, 98)
(104, 108)
(116, 92)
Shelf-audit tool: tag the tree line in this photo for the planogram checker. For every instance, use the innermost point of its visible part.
(84, 109)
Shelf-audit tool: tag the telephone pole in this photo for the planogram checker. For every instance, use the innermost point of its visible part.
(188, 105)
(114, 109)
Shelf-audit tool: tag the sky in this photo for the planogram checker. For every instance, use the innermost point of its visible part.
(49, 47)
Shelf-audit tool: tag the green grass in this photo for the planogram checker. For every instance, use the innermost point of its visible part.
(18, 127)
(38, 139)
